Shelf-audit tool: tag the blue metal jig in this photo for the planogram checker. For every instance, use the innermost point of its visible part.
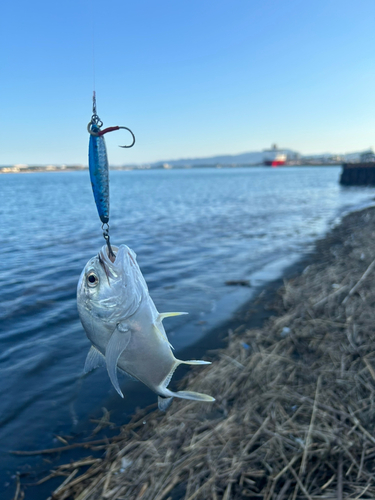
(98, 167)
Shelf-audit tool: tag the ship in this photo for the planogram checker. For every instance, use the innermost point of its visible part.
(274, 157)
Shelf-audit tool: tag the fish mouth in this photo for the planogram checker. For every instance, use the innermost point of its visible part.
(106, 262)
(104, 254)
(114, 268)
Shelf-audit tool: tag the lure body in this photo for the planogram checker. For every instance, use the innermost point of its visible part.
(124, 326)
(98, 167)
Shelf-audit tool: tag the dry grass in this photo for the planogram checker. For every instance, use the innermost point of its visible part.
(295, 410)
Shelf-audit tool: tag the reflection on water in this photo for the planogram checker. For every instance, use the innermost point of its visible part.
(192, 230)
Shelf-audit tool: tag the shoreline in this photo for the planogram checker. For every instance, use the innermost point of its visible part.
(52, 168)
(255, 315)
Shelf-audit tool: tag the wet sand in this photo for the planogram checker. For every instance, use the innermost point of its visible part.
(287, 362)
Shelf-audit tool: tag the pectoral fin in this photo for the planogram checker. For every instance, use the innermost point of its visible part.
(117, 344)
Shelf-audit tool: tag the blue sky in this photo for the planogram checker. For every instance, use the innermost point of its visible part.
(190, 77)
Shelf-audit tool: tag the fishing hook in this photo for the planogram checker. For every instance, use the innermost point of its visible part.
(109, 129)
(95, 120)
(105, 228)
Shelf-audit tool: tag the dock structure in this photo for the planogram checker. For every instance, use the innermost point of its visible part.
(358, 174)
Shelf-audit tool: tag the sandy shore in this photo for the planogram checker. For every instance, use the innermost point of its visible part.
(294, 415)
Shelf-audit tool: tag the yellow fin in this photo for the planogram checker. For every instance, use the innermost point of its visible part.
(195, 396)
(162, 335)
(194, 362)
(158, 332)
(169, 315)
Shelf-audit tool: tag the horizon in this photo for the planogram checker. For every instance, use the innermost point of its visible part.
(78, 164)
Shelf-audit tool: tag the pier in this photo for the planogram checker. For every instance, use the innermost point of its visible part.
(358, 174)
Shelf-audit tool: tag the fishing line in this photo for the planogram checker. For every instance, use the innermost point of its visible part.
(93, 42)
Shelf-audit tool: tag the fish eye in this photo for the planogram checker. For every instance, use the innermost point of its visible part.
(92, 280)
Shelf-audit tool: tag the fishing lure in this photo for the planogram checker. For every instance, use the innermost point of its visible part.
(98, 167)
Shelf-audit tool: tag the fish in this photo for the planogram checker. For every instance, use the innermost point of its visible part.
(124, 327)
(98, 167)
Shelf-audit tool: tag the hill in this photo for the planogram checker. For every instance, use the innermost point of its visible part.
(250, 158)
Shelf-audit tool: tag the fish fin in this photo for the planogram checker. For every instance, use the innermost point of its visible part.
(169, 315)
(116, 345)
(179, 362)
(93, 360)
(170, 374)
(159, 320)
(164, 402)
(195, 362)
(159, 332)
(162, 334)
(195, 396)
(166, 392)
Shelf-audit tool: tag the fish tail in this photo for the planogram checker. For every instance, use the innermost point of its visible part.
(179, 362)
(167, 395)
(194, 362)
(195, 396)
(164, 402)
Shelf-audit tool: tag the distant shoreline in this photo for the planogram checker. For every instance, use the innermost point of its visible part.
(38, 169)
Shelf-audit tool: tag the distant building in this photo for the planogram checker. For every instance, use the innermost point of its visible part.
(336, 158)
(367, 156)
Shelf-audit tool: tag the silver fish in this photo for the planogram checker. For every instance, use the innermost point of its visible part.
(124, 326)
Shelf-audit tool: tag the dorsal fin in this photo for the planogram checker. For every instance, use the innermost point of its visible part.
(169, 315)
(162, 334)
